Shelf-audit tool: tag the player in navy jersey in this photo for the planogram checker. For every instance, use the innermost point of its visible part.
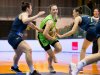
(96, 17)
(85, 22)
(75, 68)
(15, 37)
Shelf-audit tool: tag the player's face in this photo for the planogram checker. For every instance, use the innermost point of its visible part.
(54, 10)
(30, 10)
(75, 14)
(96, 13)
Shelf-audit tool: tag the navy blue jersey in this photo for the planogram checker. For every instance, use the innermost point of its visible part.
(87, 21)
(18, 27)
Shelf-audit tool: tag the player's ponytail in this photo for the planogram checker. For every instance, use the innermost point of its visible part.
(22, 2)
(25, 5)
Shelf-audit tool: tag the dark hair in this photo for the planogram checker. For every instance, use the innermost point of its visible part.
(52, 6)
(25, 5)
(79, 9)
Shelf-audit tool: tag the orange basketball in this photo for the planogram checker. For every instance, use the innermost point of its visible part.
(51, 33)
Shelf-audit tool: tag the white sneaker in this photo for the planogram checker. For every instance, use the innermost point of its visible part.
(73, 70)
(55, 60)
(51, 69)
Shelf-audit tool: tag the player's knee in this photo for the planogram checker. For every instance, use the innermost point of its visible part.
(19, 54)
(59, 49)
(29, 50)
(51, 56)
(83, 49)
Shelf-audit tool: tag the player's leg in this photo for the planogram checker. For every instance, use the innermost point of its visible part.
(24, 47)
(75, 68)
(85, 45)
(16, 58)
(57, 48)
(45, 45)
(95, 48)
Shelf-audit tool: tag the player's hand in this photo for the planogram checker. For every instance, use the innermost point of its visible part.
(54, 36)
(41, 30)
(59, 36)
(41, 13)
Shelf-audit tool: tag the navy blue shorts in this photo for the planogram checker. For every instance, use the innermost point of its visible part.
(91, 33)
(14, 40)
(98, 29)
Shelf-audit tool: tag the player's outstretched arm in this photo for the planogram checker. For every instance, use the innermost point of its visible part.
(34, 27)
(27, 20)
(76, 22)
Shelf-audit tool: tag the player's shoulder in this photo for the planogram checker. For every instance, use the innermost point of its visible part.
(78, 17)
(24, 14)
(50, 22)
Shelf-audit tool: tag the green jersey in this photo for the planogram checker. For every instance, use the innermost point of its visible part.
(49, 17)
(44, 42)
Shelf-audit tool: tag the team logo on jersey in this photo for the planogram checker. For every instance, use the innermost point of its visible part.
(17, 38)
(44, 41)
(20, 34)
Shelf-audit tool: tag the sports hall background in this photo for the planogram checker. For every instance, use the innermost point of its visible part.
(9, 9)
(71, 46)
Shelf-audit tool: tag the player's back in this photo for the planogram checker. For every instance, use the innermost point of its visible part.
(87, 21)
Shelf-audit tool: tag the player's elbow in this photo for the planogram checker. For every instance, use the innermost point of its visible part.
(25, 22)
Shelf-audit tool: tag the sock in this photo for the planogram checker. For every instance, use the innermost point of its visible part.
(81, 64)
(31, 68)
(15, 65)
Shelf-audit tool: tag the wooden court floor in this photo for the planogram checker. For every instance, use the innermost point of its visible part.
(40, 63)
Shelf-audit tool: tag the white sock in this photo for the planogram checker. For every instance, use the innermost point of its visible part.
(81, 64)
(15, 65)
(31, 68)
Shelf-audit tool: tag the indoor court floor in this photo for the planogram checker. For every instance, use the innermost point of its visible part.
(41, 65)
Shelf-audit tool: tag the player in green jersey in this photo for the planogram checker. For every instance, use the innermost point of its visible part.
(45, 40)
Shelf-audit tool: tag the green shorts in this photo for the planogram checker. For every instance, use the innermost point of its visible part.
(45, 43)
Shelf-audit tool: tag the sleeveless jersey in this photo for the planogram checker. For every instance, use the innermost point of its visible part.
(87, 21)
(18, 27)
(49, 17)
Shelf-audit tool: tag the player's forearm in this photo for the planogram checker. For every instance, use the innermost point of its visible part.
(30, 19)
(36, 28)
(68, 34)
(48, 36)
(33, 26)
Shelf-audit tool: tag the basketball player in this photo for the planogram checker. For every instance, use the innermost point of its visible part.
(87, 23)
(45, 40)
(15, 37)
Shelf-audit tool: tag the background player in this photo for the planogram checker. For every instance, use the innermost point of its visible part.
(87, 23)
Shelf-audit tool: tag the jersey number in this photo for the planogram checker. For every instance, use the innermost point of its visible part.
(91, 19)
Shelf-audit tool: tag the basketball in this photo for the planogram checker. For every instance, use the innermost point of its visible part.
(51, 33)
